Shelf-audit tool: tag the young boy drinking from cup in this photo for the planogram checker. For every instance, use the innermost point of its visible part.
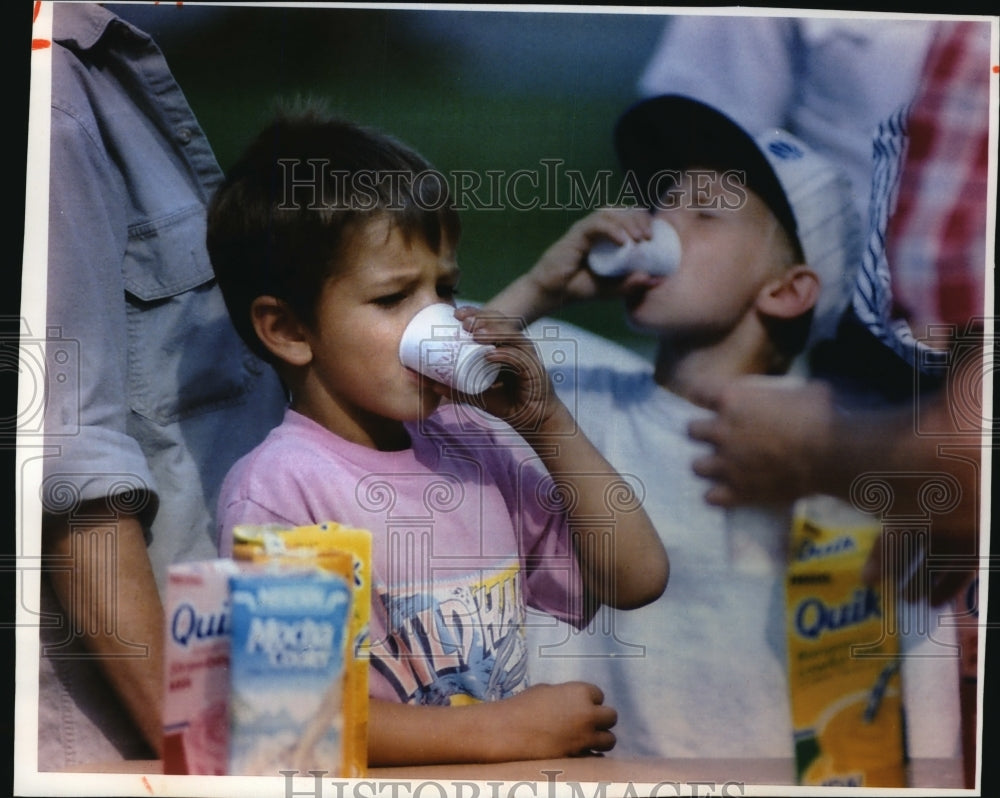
(758, 268)
(327, 240)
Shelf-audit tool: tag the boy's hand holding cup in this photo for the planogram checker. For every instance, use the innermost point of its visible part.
(436, 345)
(605, 255)
(482, 357)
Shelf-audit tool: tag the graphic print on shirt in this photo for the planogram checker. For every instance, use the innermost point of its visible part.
(455, 641)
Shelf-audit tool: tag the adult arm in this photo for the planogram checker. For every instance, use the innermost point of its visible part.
(124, 626)
(93, 455)
(775, 440)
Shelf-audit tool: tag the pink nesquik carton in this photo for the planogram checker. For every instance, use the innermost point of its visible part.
(196, 668)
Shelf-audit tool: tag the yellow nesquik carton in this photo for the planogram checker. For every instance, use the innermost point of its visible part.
(338, 549)
(843, 653)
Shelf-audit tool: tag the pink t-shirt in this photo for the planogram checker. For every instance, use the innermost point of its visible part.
(467, 533)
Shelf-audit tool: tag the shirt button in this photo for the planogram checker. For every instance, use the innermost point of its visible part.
(184, 135)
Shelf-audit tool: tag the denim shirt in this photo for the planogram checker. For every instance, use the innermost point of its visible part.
(166, 396)
(151, 393)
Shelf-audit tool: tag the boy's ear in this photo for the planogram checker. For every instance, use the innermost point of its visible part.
(793, 294)
(280, 330)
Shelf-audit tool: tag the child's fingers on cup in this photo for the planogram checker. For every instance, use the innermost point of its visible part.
(518, 360)
(637, 221)
(492, 327)
(619, 225)
(464, 312)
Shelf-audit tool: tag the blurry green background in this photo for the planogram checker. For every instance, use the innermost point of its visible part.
(470, 90)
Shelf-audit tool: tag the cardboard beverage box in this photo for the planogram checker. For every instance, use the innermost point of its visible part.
(196, 668)
(325, 545)
(289, 634)
(843, 653)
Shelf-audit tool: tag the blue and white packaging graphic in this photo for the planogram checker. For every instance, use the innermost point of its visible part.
(289, 632)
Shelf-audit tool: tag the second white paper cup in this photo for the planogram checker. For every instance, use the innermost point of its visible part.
(660, 255)
(436, 345)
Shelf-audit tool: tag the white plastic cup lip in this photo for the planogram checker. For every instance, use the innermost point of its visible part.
(436, 345)
(659, 255)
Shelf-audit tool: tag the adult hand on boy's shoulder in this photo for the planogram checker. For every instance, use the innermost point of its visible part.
(769, 440)
(772, 439)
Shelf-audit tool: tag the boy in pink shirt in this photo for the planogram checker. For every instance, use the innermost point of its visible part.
(327, 238)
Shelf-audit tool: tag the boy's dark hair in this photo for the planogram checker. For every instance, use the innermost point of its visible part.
(285, 215)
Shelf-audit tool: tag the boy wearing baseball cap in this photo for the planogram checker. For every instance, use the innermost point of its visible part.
(693, 167)
(769, 238)
(759, 266)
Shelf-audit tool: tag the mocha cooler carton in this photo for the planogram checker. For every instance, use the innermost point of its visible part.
(337, 549)
(288, 656)
(843, 653)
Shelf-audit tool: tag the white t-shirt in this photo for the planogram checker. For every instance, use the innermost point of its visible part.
(701, 672)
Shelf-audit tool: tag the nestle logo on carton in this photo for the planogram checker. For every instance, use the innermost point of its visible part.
(808, 550)
(294, 597)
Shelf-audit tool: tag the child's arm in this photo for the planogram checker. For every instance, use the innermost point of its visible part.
(622, 560)
(544, 722)
(561, 275)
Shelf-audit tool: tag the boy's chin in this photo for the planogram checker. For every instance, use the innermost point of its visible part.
(639, 325)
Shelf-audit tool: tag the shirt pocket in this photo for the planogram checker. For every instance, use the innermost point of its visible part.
(184, 357)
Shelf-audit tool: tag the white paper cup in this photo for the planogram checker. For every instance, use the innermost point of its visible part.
(436, 345)
(659, 255)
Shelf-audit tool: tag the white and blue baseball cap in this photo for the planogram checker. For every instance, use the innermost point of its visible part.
(810, 197)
